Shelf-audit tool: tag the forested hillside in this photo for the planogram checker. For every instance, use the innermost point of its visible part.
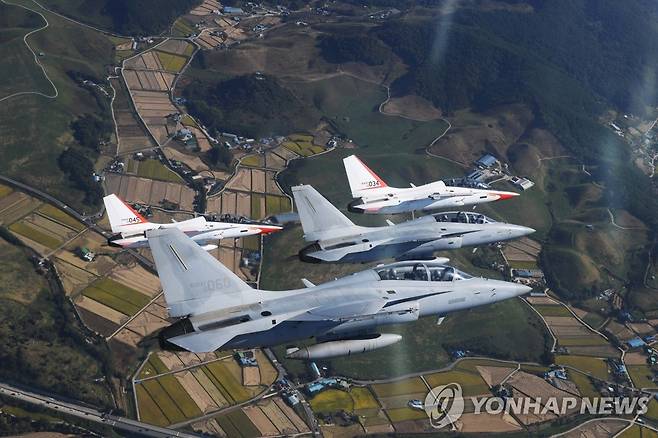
(569, 60)
(253, 105)
(127, 17)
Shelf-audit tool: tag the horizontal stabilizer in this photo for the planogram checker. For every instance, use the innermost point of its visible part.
(307, 283)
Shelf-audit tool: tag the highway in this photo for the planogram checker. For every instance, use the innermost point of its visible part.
(90, 414)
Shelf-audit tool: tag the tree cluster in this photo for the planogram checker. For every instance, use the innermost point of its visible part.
(251, 105)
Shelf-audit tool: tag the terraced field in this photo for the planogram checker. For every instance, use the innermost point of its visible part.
(187, 385)
(117, 296)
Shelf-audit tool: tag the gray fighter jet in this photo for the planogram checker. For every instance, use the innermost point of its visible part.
(336, 239)
(222, 311)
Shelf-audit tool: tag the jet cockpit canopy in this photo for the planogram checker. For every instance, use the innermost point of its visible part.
(464, 217)
(436, 270)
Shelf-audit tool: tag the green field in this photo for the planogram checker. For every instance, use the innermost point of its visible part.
(358, 400)
(332, 400)
(157, 364)
(363, 399)
(471, 383)
(5, 190)
(149, 411)
(592, 365)
(400, 387)
(584, 384)
(641, 376)
(256, 207)
(252, 160)
(550, 310)
(404, 414)
(177, 393)
(117, 296)
(60, 216)
(652, 410)
(229, 386)
(276, 204)
(582, 341)
(154, 169)
(305, 148)
(236, 424)
(163, 400)
(171, 62)
(182, 27)
(38, 236)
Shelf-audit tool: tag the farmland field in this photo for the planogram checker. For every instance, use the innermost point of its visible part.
(171, 62)
(179, 395)
(38, 236)
(149, 412)
(397, 415)
(60, 216)
(163, 400)
(363, 399)
(550, 310)
(585, 386)
(230, 387)
(585, 340)
(5, 190)
(154, 169)
(472, 384)
(252, 161)
(332, 400)
(592, 365)
(117, 296)
(641, 376)
(406, 386)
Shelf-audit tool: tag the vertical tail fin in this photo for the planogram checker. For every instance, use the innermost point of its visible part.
(193, 281)
(361, 178)
(122, 216)
(318, 216)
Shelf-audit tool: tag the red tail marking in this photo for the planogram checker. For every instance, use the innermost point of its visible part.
(373, 174)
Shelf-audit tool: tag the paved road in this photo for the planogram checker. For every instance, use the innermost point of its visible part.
(90, 414)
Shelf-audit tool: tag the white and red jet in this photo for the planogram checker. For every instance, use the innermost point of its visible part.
(130, 227)
(374, 196)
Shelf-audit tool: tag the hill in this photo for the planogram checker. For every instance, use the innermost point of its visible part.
(126, 17)
(36, 130)
(253, 105)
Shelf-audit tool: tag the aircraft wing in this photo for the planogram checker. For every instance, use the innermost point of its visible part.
(211, 340)
(350, 309)
(338, 253)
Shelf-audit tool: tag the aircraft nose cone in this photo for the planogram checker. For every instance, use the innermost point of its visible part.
(506, 195)
(519, 230)
(519, 289)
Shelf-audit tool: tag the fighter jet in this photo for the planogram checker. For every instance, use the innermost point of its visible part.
(221, 311)
(374, 196)
(130, 226)
(337, 239)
